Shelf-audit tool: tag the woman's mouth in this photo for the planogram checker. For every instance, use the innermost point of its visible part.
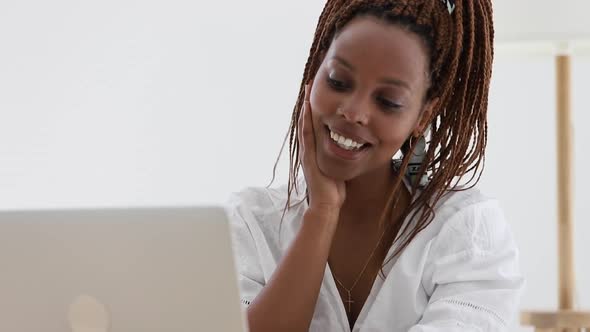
(344, 147)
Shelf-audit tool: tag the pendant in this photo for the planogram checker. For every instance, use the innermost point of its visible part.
(349, 301)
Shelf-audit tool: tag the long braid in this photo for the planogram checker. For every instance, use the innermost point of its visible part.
(461, 47)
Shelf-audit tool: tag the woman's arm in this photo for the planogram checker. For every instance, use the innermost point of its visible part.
(287, 302)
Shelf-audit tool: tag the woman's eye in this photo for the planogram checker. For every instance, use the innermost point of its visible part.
(336, 84)
(388, 103)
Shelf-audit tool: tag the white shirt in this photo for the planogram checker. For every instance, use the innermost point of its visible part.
(461, 273)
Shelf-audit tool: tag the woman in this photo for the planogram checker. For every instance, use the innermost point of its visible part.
(364, 242)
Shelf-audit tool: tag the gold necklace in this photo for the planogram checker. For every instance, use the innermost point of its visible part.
(349, 300)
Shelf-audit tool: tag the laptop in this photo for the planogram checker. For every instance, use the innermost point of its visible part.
(118, 270)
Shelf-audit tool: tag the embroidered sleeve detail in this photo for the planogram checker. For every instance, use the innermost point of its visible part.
(478, 308)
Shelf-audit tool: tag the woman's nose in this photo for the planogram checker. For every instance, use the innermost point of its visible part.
(355, 110)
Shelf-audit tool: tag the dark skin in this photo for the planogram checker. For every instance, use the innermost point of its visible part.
(371, 87)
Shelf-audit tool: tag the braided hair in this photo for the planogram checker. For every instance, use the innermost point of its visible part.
(459, 37)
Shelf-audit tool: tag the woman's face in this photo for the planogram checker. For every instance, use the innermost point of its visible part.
(370, 88)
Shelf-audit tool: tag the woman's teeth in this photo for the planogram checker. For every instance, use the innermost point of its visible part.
(345, 143)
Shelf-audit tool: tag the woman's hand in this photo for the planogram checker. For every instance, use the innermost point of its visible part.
(325, 193)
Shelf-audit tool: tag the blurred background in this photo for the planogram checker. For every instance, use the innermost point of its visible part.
(146, 103)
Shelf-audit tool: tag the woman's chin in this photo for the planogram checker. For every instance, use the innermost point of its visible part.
(337, 173)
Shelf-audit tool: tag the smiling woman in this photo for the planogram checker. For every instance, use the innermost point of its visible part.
(393, 81)
(362, 242)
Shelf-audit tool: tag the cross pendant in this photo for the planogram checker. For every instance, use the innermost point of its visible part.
(350, 302)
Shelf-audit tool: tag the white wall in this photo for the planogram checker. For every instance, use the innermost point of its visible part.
(145, 102)
(521, 170)
(120, 103)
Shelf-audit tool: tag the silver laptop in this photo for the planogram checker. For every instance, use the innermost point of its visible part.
(118, 270)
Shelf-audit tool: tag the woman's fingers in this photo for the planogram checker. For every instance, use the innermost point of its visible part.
(306, 133)
(308, 123)
(324, 192)
(300, 131)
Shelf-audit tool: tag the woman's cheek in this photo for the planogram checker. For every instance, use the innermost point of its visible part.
(315, 93)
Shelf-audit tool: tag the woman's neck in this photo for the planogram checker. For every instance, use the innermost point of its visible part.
(367, 195)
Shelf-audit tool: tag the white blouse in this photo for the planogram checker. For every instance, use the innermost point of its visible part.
(461, 273)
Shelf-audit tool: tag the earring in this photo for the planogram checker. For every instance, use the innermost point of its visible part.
(418, 149)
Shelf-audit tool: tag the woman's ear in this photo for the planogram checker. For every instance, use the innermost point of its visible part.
(425, 116)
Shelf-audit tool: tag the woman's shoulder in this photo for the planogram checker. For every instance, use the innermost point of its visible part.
(461, 198)
(263, 200)
(264, 207)
(468, 219)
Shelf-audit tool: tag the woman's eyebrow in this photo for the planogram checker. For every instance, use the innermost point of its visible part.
(343, 62)
(385, 80)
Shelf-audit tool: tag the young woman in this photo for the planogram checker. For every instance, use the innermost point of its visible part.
(363, 241)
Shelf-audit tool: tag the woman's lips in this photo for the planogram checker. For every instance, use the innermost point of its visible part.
(341, 153)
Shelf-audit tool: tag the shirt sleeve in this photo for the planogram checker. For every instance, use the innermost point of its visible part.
(472, 273)
(249, 270)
